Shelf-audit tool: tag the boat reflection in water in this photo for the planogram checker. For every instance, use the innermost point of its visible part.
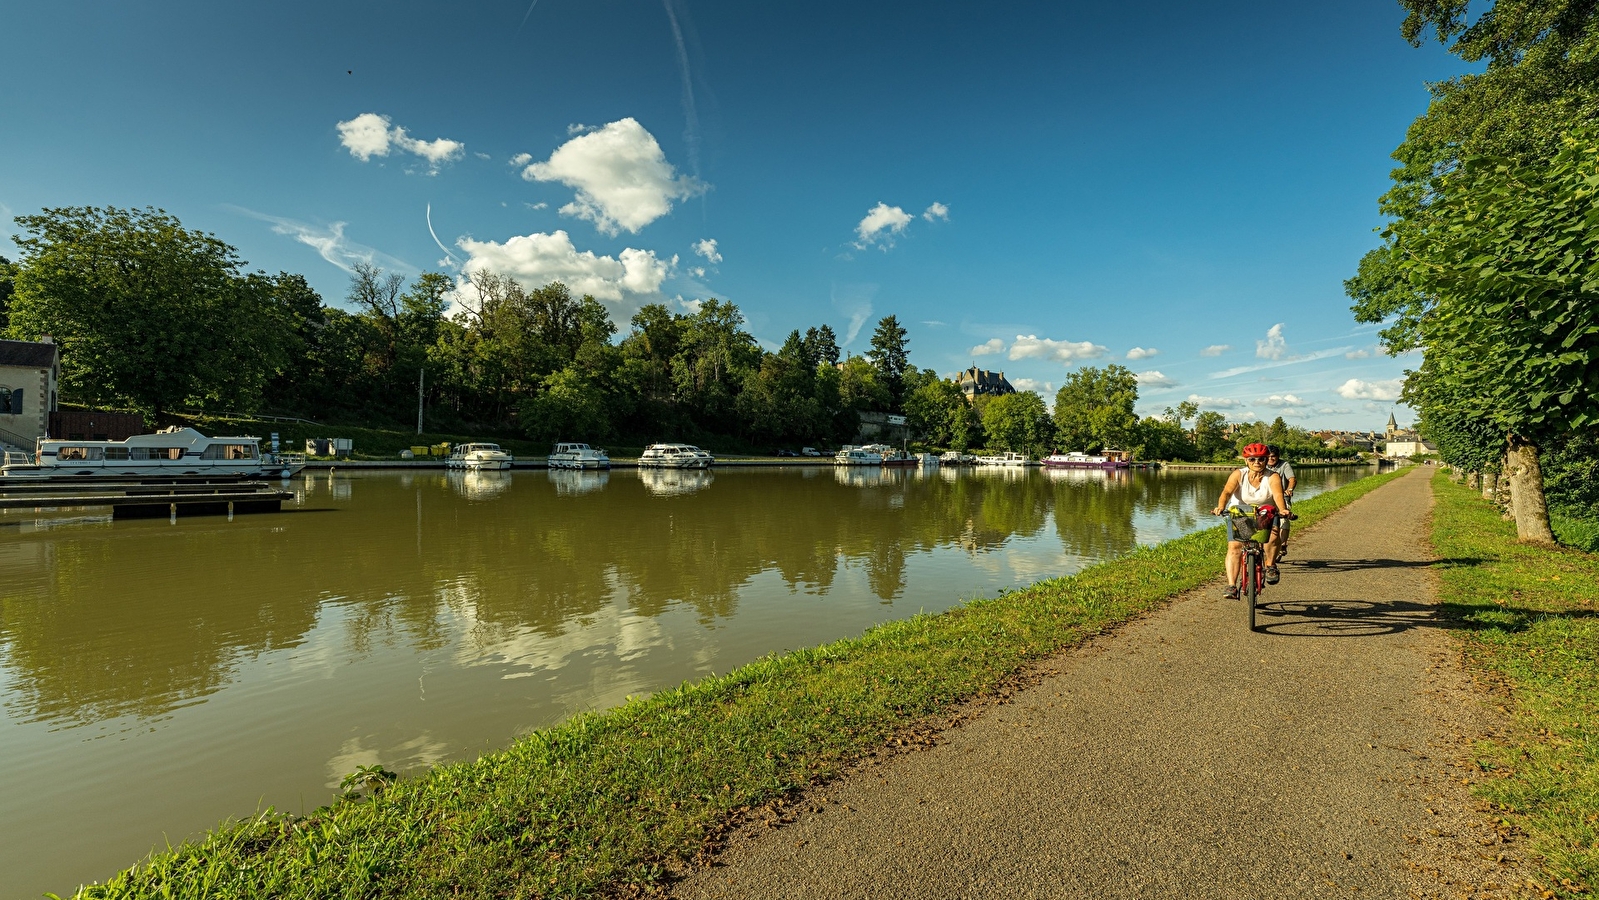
(1110, 477)
(862, 476)
(480, 484)
(569, 482)
(674, 482)
(1002, 472)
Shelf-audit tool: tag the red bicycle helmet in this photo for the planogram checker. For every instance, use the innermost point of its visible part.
(1255, 450)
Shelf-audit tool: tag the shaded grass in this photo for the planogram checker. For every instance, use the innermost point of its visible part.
(1578, 532)
(613, 802)
(1527, 615)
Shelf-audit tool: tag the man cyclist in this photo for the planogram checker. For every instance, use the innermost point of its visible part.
(1284, 468)
(1251, 486)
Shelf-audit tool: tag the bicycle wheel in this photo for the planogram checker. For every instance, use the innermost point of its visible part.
(1251, 585)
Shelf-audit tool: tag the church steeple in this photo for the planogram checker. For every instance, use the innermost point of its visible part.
(1392, 425)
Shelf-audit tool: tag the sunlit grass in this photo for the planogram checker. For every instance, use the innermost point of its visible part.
(1527, 615)
(617, 799)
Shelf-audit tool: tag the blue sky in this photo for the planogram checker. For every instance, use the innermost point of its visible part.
(1029, 187)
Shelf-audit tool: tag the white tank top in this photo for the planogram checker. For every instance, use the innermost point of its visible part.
(1247, 495)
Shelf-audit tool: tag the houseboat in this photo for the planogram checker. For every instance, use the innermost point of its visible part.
(578, 456)
(479, 456)
(857, 456)
(1108, 459)
(957, 458)
(1008, 458)
(171, 452)
(675, 456)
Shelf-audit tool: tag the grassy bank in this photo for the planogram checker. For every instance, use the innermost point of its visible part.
(1527, 616)
(614, 801)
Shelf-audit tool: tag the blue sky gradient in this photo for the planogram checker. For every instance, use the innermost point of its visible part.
(1168, 177)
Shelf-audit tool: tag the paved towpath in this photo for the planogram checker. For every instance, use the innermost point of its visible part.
(1184, 756)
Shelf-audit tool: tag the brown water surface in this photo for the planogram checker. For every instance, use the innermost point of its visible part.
(159, 677)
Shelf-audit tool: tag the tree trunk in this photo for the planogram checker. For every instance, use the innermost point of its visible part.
(1526, 492)
(1472, 480)
(1490, 486)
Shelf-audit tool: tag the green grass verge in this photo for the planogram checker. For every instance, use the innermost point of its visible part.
(1578, 532)
(1527, 615)
(615, 800)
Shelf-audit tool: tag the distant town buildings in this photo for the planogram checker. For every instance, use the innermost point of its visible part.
(974, 382)
(28, 374)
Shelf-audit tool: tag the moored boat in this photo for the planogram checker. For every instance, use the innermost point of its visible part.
(857, 456)
(479, 456)
(169, 453)
(893, 458)
(1109, 459)
(675, 456)
(578, 456)
(957, 458)
(1008, 458)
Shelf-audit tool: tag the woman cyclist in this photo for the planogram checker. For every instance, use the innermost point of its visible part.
(1251, 486)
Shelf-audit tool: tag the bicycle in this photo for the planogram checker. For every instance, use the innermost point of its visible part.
(1257, 525)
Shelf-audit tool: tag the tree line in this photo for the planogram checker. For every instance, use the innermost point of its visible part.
(1490, 262)
(154, 317)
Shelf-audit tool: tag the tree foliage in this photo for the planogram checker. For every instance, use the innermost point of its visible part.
(1094, 409)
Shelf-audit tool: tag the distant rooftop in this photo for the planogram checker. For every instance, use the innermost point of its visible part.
(28, 354)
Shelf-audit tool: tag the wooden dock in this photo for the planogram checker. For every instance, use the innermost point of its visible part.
(145, 499)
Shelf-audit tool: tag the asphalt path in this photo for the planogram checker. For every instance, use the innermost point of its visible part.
(1184, 756)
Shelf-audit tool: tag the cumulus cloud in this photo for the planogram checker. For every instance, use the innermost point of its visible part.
(521, 159)
(1355, 389)
(1142, 353)
(989, 347)
(707, 249)
(1215, 350)
(1282, 401)
(1274, 346)
(620, 174)
(936, 212)
(1362, 353)
(1037, 387)
(1031, 346)
(370, 134)
(881, 225)
(627, 280)
(1154, 378)
(1213, 402)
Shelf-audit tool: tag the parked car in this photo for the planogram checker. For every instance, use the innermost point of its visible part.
(809, 451)
(787, 453)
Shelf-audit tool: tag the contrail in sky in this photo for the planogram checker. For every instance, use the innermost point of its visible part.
(435, 234)
(525, 15)
(691, 127)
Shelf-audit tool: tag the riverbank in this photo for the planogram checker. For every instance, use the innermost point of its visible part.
(1528, 619)
(617, 798)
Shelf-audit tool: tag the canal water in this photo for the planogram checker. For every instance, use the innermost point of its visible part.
(159, 677)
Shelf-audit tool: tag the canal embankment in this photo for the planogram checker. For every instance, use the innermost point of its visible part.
(624, 798)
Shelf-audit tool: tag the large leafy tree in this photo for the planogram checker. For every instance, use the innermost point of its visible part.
(1094, 408)
(149, 314)
(1018, 422)
(1507, 259)
(8, 287)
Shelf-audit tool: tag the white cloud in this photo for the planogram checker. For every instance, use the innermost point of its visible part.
(1282, 401)
(937, 211)
(855, 301)
(1142, 353)
(1332, 411)
(579, 128)
(1355, 389)
(482, 156)
(539, 205)
(329, 242)
(627, 280)
(1273, 347)
(1213, 402)
(989, 347)
(1154, 378)
(521, 159)
(370, 134)
(882, 224)
(1362, 353)
(621, 177)
(1038, 387)
(1215, 350)
(934, 323)
(707, 249)
(1033, 346)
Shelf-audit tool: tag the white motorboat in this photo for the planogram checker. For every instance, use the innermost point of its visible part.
(171, 452)
(1110, 459)
(1008, 458)
(675, 456)
(957, 458)
(479, 456)
(857, 456)
(578, 456)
